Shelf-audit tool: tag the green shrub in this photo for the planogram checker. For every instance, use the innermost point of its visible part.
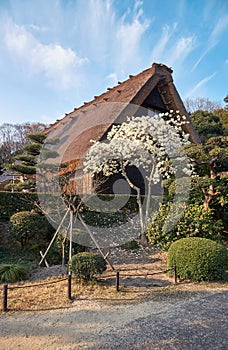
(130, 245)
(194, 222)
(86, 265)
(13, 272)
(198, 259)
(28, 185)
(25, 225)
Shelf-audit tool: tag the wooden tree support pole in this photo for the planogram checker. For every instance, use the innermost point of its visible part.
(53, 238)
(95, 242)
(45, 261)
(5, 295)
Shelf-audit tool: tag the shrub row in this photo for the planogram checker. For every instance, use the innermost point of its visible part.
(13, 202)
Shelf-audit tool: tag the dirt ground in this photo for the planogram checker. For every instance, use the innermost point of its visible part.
(140, 270)
(183, 320)
(148, 313)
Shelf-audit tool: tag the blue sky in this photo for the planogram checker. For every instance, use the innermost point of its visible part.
(56, 54)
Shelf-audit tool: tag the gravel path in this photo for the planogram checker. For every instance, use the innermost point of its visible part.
(193, 321)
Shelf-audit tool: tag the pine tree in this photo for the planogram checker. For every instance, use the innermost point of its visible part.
(26, 163)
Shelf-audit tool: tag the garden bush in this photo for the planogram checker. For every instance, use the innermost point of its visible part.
(86, 265)
(198, 259)
(131, 245)
(194, 222)
(26, 225)
(13, 272)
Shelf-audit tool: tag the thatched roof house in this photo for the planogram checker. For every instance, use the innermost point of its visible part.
(151, 90)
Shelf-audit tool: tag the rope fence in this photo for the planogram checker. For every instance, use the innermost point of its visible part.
(117, 275)
(37, 285)
(7, 289)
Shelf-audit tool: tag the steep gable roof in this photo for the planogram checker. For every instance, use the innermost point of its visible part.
(153, 88)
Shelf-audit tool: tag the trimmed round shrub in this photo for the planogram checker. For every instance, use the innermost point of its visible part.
(86, 265)
(13, 272)
(26, 225)
(198, 259)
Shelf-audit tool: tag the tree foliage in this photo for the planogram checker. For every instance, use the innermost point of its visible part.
(222, 114)
(26, 225)
(13, 137)
(150, 143)
(226, 101)
(207, 124)
(26, 162)
(195, 222)
(211, 161)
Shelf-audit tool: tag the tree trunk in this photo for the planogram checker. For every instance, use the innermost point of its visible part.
(206, 203)
(143, 239)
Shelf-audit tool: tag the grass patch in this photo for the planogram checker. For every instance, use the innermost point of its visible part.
(51, 293)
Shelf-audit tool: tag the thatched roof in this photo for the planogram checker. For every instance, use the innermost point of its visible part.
(153, 89)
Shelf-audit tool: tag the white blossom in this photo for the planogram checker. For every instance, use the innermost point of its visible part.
(142, 142)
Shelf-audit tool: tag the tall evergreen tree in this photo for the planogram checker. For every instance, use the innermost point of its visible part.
(26, 163)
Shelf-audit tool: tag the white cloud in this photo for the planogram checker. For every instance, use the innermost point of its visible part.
(112, 77)
(219, 28)
(128, 36)
(37, 28)
(200, 84)
(172, 50)
(129, 51)
(181, 50)
(159, 48)
(113, 42)
(57, 63)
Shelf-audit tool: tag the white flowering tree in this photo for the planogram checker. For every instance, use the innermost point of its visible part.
(154, 144)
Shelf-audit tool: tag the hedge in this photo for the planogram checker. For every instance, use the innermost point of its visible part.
(198, 259)
(13, 202)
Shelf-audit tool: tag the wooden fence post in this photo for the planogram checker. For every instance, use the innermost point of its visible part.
(117, 281)
(5, 294)
(175, 274)
(69, 284)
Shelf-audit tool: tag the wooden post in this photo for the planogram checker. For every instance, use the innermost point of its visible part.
(69, 284)
(53, 238)
(175, 274)
(45, 261)
(5, 294)
(71, 233)
(117, 281)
